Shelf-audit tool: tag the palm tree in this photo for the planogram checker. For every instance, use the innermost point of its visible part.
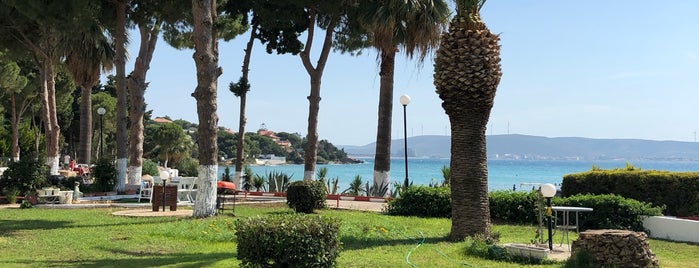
(413, 27)
(466, 75)
(87, 52)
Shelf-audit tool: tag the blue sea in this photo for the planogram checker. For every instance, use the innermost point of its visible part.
(502, 174)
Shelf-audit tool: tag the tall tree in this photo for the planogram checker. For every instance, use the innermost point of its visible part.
(87, 53)
(14, 85)
(240, 90)
(206, 60)
(122, 120)
(39, 26)
(466, 75)
(411, 26)
(150, 17)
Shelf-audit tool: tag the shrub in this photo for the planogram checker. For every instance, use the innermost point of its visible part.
(188, 167)
(306, 195)
(514, 207)
(10, 195)
(422, 201)
(149, 167)
(676, 191)
(25, 176)
(294, 240)
(610, 211)
(105, 175)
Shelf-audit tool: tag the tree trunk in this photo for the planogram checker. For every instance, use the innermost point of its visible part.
(122, 119)
(86, 128)
(316, 74)
(240, 147)
(469, 174)
(208, 71)
(51, 128)
(15, 131)
(382, 158)
(137, 87)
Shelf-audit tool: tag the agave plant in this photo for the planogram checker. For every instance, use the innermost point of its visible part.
(377, 190)
(278, 181)
(332, 189)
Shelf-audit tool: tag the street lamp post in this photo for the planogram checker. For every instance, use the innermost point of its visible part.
(404, 100)
(101, 111)
(548, 191)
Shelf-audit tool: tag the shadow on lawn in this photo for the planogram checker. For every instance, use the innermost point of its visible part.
(142, 259)
(8, 227)
(352, 243)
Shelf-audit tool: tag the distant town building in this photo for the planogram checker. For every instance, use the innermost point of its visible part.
(268, 133)
(162, 120)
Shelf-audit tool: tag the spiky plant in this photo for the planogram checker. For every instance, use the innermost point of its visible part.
(467, 73)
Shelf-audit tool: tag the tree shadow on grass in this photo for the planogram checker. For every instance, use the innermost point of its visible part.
(139, 259)
(8, 227)
(356, 243)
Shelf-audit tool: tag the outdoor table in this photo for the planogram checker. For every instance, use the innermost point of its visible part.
(566, 226)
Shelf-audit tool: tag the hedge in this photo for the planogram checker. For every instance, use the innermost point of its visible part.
(677, 192)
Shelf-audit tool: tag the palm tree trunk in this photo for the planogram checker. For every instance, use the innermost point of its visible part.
(85, 152)
(137, 87)
(382, 158)
(469, 174)
(122, 119)
(208, 71)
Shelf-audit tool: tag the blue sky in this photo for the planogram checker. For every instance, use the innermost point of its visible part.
(596, 69)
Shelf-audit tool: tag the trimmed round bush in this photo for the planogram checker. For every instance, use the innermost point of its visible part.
(422, 201)
(288, 240)
(305, 196)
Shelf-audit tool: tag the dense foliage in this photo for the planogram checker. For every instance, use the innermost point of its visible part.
(514, 207)
(422, 201)
(304, 196)
(105, 175)
(23, 176)
(678, 192)
(288, 240)
(610, 211)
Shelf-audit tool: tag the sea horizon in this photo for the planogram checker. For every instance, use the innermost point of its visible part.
(503, 174)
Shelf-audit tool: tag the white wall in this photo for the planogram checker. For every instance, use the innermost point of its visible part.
(671, 228)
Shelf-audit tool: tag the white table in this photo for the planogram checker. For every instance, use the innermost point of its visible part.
(567, 226)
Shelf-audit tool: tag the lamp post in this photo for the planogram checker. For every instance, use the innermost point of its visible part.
(548, 191)
(101, 111)
(404, 100)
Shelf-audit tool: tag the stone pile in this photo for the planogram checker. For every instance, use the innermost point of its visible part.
(616, 248)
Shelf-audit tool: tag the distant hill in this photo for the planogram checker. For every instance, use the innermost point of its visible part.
(536, 147)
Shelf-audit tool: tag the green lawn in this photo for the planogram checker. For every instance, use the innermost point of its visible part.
(95, 238)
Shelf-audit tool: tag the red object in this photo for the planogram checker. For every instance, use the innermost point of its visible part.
(225, 185)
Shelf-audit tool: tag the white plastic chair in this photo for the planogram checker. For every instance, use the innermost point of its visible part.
(185, 187)
(146, 190)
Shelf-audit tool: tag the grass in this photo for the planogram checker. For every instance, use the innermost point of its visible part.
(94, 238)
